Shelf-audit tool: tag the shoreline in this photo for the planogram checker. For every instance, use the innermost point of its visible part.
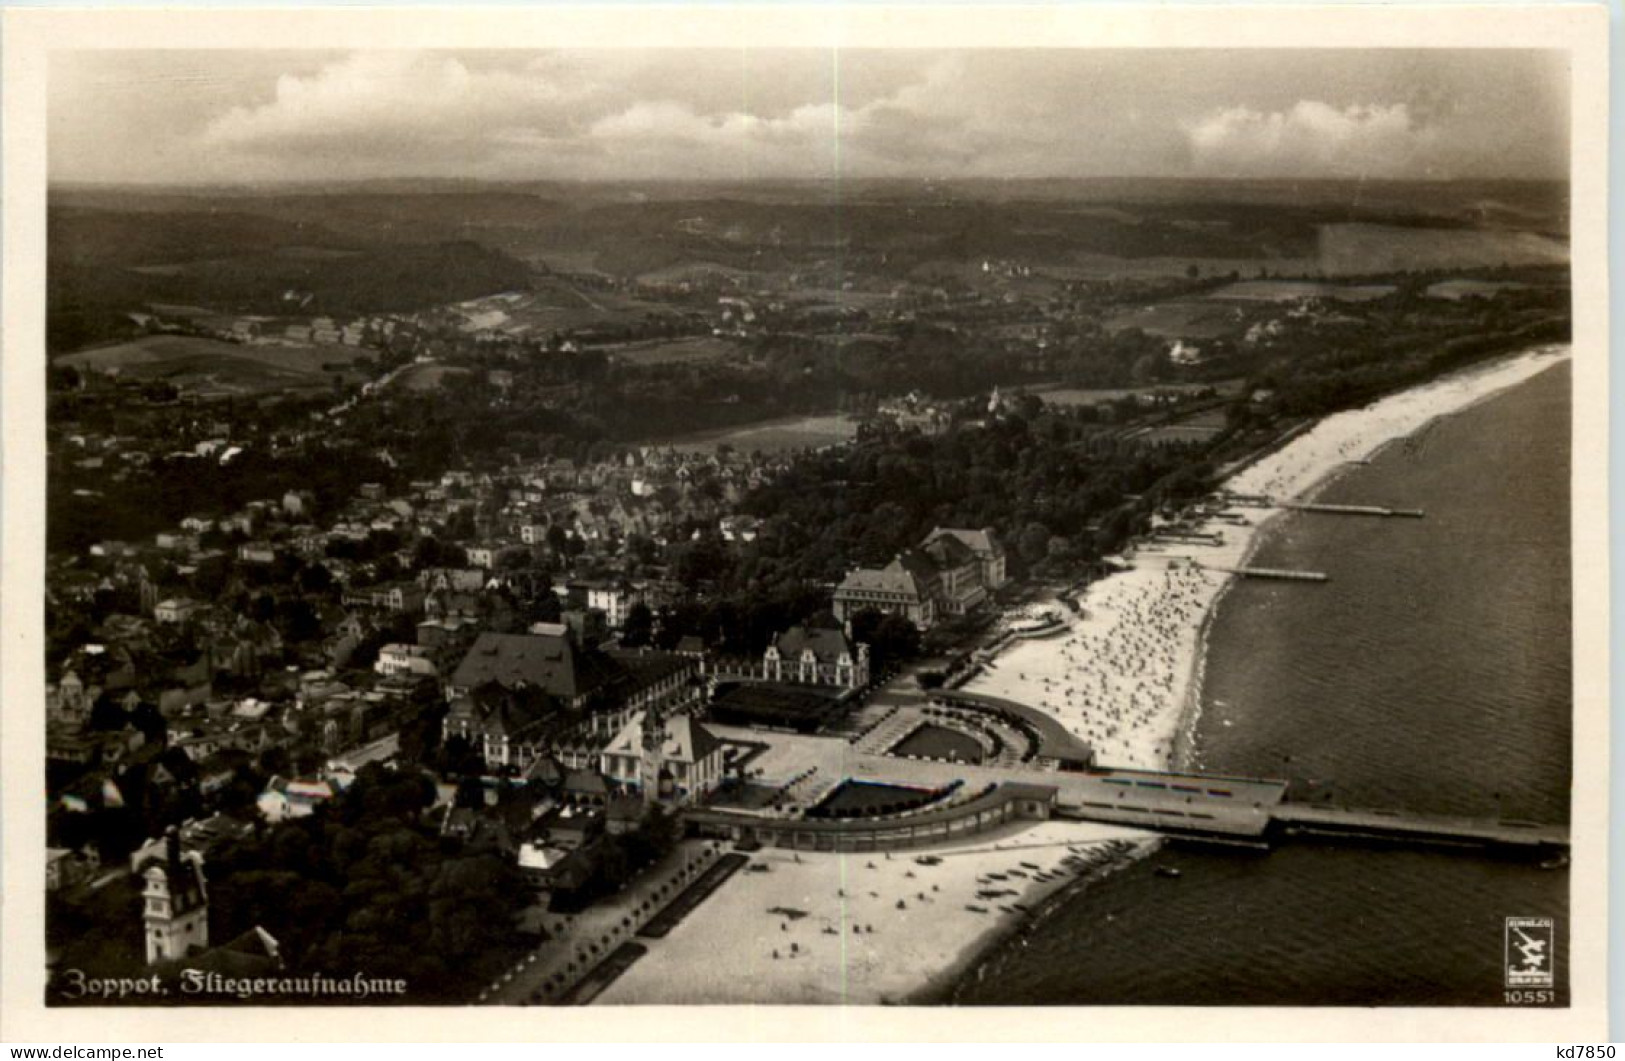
(1141, 638)
(1485, 380)
(981, 955)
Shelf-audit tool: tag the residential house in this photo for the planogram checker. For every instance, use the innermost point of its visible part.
(176, 610)
(283, 799)
(397, 658)
(614, 599)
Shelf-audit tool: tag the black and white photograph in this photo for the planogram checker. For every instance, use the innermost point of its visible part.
(530, 526)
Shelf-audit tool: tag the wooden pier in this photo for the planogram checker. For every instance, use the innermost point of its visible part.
(1353, 510)
(1290, 576)
(1266, 572)
(1264, 501)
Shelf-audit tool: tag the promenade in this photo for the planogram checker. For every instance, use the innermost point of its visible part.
(577, 943)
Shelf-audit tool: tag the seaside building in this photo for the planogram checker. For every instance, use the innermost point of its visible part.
(903, 587)
(952, 572)
(673, 758)
(983, 544)
(816, 656)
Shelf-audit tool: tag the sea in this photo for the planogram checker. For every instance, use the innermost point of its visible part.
(1432, 673)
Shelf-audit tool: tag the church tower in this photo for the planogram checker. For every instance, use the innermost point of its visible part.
(177, 905)
(148, 592)
(654, 756)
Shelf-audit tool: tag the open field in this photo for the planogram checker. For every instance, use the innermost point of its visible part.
(785, 433)
(1177, 433)
(1354, 249)
(1183, 319)
(1198, 427)
(210, 366)
(1290, 290)
(674, 351)
(1089, 266)
(1455, 290)
(1062, 395)
(689, 272)
(426, 377)
(555, 305)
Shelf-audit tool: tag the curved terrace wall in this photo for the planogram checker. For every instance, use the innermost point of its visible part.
(1007, 802)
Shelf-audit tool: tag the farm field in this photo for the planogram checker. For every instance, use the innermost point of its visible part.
(1351, 249)
(1089, 266)
(1291, 290)
(426, 377)
(1176, 433)
(1062, 395)
(1456, 290)
(1197, 427)
(555, 305)
(674, 352)
(773, 436)
(1184, 319)
(208, 367)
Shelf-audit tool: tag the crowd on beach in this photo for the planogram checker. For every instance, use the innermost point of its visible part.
(1121, 676)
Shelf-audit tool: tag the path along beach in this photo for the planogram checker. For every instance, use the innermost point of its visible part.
(867, 929)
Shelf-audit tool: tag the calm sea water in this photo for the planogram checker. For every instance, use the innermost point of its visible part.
(1432, 673)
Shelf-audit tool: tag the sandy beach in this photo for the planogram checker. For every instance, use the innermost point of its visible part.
(862, 929)
(866, 929)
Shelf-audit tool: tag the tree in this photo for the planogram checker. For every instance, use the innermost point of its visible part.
(546, 608)
(1034, 542)
(639, 626)
(557, 540)
(470, 793)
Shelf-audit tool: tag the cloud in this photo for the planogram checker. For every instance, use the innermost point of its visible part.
(423, 112)
(582, 115)
(1314, 139)
(805, 142)
(803, 113)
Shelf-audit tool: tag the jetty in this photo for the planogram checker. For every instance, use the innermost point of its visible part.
(1353, 510)
(1265, 501)
(1282, 573)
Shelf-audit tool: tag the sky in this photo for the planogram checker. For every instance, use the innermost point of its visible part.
(209, 117)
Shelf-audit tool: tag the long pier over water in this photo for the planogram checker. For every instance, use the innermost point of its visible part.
(1256, 811)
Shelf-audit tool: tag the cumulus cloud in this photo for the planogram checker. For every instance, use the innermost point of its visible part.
(583, 116)
(391, 110)
(740, 113)
(666, 133)
(1313, 139)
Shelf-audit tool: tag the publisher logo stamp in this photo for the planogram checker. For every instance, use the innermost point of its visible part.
(1531, 943)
